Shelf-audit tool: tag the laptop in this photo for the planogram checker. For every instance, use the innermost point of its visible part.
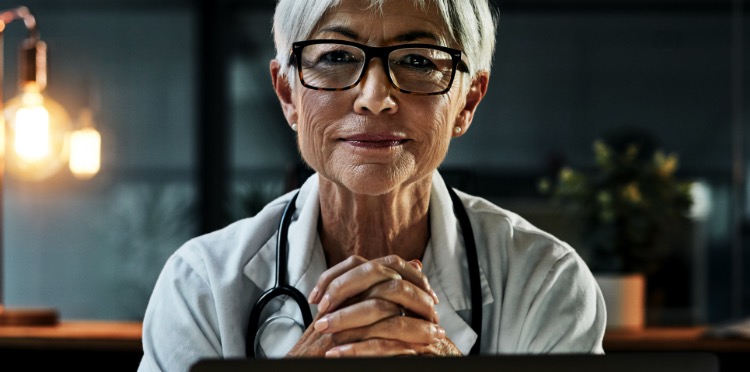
(618, 362)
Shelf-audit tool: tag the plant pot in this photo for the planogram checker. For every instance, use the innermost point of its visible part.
(625, 300)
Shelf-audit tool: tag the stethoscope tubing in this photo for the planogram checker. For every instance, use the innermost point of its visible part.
(281, 286)
(473, 261)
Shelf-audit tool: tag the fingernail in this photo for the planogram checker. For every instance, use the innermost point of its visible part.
(417, 264)
(313, 295)
(435, 317)
(324, 303)
(322, 324)
(338, 351)
(438, 332)
(333, 353)
(435, 296)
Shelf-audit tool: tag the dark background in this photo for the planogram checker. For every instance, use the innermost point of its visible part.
(194, 137)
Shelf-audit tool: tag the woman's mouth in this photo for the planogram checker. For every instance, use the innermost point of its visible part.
(374, 141)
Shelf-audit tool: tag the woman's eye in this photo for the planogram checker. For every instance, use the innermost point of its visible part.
(337, 56)
(416, 61)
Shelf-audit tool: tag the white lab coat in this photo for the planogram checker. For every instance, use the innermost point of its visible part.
(538, 294)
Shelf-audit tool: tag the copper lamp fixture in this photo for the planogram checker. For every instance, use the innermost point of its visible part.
(37, 139)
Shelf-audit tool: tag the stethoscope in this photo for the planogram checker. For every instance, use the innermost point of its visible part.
(282, 288)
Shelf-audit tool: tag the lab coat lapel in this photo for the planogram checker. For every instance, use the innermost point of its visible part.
(446, 267)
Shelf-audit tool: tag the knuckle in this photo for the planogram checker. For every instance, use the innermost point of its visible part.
(395, 286)
(341, 338)
(403, 323)
(393, 261)
(351, 351)
(383, 306)
(379, 344)
(424, 280)
(336, 338)
(325, 277)
(370, 267)
(355, 260)
(334, 319)
(335, 284)
(377, 269)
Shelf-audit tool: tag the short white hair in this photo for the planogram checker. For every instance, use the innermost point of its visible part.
(471, 23)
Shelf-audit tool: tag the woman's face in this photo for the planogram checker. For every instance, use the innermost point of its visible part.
(371, 138)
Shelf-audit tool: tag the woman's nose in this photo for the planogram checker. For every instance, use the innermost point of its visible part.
(375, 91)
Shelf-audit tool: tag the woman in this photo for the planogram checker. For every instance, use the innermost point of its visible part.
(376, 91)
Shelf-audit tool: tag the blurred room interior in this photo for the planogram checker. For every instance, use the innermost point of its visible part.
(193, 138)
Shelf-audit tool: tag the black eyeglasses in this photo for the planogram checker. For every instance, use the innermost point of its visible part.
(333, 65)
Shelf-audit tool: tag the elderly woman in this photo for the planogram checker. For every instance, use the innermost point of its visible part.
(368, 255)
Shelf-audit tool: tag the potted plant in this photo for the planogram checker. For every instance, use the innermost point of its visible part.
(626, 206)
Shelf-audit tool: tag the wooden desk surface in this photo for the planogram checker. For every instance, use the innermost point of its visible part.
(126, 336)
(672, 339)
(89, 335)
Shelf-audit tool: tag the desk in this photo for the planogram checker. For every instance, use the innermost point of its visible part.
(85, 343)
(733, 354)
(80, 345)
(672, 339)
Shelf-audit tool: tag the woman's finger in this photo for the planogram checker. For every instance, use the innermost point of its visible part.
(400, 328)
(353, 283)
(370, 348)
(444, 347)
(412, 298)
(355, 275)
(371, 310)
(333, 273)
(381, 301)
(410, 271)
(356, 315)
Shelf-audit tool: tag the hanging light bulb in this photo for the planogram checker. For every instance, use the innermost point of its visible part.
(36, 126)
(85, 147)
(37, 130)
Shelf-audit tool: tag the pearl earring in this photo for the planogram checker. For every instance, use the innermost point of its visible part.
(294, 127)
(457, 130)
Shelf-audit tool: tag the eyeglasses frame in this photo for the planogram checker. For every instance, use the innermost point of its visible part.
(379, 52)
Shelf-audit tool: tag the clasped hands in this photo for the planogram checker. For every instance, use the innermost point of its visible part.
(380, 307)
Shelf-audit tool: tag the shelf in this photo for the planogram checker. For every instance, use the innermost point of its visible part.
(672, 339)
(82, 335)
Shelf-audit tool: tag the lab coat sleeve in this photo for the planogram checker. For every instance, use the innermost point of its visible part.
(181, 323)
(567, 314)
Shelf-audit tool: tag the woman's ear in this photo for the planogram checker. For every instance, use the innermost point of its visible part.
(475, 94)
(283, 92)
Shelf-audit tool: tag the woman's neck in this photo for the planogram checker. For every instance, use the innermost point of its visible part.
(374, 226)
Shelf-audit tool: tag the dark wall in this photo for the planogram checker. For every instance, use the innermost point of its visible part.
(565, 74)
